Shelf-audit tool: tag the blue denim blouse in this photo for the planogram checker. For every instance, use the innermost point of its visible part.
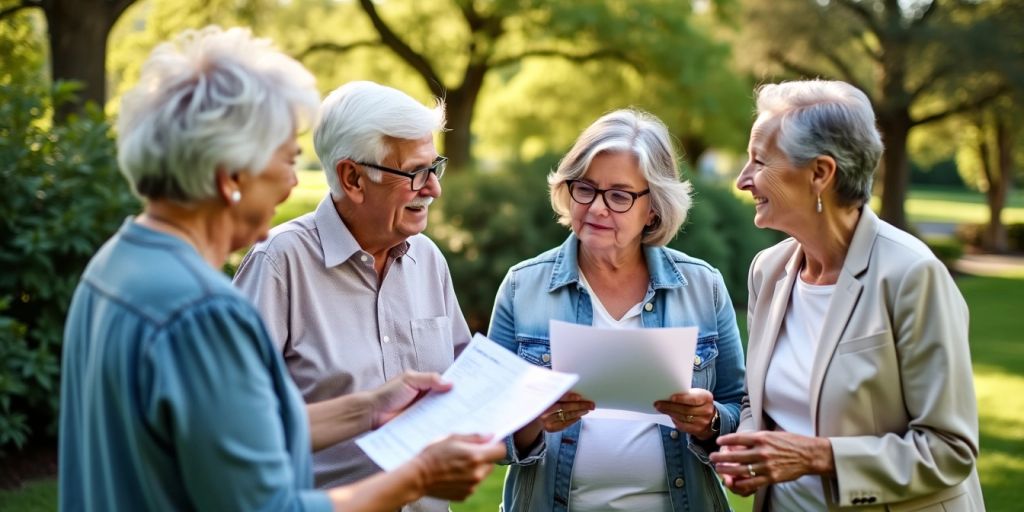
(683, 292)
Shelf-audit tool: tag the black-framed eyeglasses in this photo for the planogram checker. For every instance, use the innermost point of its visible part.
(617, 200)
(418, 178)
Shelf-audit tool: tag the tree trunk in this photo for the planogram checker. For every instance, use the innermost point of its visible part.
(895, 169)
(461, 102)
(78, 31)
(693, 147)
(995, 239)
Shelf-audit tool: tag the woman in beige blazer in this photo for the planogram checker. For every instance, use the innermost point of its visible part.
(859, 384)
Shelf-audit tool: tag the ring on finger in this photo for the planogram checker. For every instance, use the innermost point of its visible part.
(561, 415)
(750, 470)
(689, 418)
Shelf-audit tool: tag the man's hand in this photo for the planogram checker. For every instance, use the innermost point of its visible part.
(399, 393)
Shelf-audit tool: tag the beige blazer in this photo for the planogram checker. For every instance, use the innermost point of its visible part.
(891, 384)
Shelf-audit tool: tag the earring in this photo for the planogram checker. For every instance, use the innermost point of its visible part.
(236, 196)
(819, 204)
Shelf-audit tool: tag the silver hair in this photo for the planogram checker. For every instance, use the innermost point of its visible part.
(358, 117)
(210, 99)
(819, 117)
(644, 136)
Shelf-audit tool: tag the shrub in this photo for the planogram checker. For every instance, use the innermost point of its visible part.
(491, 220)
(63, 197)
(947, 249)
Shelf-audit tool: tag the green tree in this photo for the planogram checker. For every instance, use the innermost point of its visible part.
(919, 61)
(454, 47)
(77, 32)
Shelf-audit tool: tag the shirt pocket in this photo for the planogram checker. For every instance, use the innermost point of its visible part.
(432, 339)
(534, 350)
(704, 361)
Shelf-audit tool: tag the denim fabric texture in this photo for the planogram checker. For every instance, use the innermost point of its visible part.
(683, 292)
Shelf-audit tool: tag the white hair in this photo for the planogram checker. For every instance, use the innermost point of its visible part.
(209, 99)
(358, 117)
(644, 136)
(820, 117)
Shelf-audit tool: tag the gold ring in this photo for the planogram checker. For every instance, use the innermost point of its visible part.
(750, 470)
(689, 418)
(561, 416)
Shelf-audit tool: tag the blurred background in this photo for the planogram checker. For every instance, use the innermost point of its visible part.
(521, 79)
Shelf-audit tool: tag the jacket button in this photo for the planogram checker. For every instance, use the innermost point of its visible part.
(546, 358)
(649, 307)
(679, 482)
(674, 434)
(696, 360)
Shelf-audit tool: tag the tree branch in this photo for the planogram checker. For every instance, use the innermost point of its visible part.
(605, 53)
(844, 70)
(862, 12)
(930, 80)
(806, 72)
(335, 47)
(117, 8)
(405, 52)
(966, 106)
(928, 12)
(25, 4)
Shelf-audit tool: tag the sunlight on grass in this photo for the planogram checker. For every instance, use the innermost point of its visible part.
(1001, 464)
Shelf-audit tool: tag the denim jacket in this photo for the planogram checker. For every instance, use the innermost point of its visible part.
(683, 292)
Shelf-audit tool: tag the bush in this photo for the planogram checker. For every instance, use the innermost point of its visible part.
(63, 197)
(947, 249)
(491, 220)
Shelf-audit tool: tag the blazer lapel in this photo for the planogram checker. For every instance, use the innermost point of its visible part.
(779, 303)
(844, 300)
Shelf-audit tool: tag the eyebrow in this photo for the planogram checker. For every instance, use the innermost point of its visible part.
(620, 186)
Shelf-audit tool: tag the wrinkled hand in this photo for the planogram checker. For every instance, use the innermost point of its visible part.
(451, 468)
(395, 395)
(691, 411)
(750, 460)
(566, 411)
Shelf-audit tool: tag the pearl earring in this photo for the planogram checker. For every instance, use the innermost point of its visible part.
(819, 204)
(236, 196)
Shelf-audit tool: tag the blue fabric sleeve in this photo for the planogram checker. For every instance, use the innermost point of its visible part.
(215, 401)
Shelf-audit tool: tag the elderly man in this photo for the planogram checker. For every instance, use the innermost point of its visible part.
(352, 293)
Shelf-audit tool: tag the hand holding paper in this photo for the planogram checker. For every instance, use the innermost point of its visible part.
(493, 392)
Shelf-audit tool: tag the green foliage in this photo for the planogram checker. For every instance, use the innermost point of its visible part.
(63, 197)
(946, 249)
(491, 220)
(720, 230)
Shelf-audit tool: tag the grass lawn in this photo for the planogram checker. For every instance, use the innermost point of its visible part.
(938, 204)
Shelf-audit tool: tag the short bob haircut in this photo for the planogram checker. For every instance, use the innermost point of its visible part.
(358, 118)
(644, 136)
(210, 99)
(819, 117)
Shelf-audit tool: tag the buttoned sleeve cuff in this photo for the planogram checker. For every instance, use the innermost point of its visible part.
(849, 486)
(531, 456)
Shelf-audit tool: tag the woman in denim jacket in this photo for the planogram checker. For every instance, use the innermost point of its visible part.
(618, 189)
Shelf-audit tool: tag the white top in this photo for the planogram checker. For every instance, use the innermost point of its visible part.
(787, 391)
(620, 464)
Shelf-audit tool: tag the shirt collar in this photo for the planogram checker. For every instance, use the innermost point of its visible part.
(338, 243)
(663, 270)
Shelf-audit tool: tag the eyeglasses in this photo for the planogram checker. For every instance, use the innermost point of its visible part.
(618, 201)
(418, 178)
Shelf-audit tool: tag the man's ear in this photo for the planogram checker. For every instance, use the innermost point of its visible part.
(352, 181)
(823, 173)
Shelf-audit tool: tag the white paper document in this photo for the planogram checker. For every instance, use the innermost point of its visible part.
(625, 369)
(493, 392)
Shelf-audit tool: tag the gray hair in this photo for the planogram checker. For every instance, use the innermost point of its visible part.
(819, 117)
(358, 117)
(644, 136)
(209, 99)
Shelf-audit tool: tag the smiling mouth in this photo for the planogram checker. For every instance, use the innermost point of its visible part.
(760, 200)
(418, 208)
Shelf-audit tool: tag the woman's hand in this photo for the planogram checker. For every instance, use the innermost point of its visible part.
(692, 412)
(750, 460)
(566, 411)
(452, 467)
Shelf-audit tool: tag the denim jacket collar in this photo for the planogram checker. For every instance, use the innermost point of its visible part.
(664, 272)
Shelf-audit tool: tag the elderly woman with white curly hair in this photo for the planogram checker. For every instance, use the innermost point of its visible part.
(860, 391)
(619, 191)
(173, 397)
